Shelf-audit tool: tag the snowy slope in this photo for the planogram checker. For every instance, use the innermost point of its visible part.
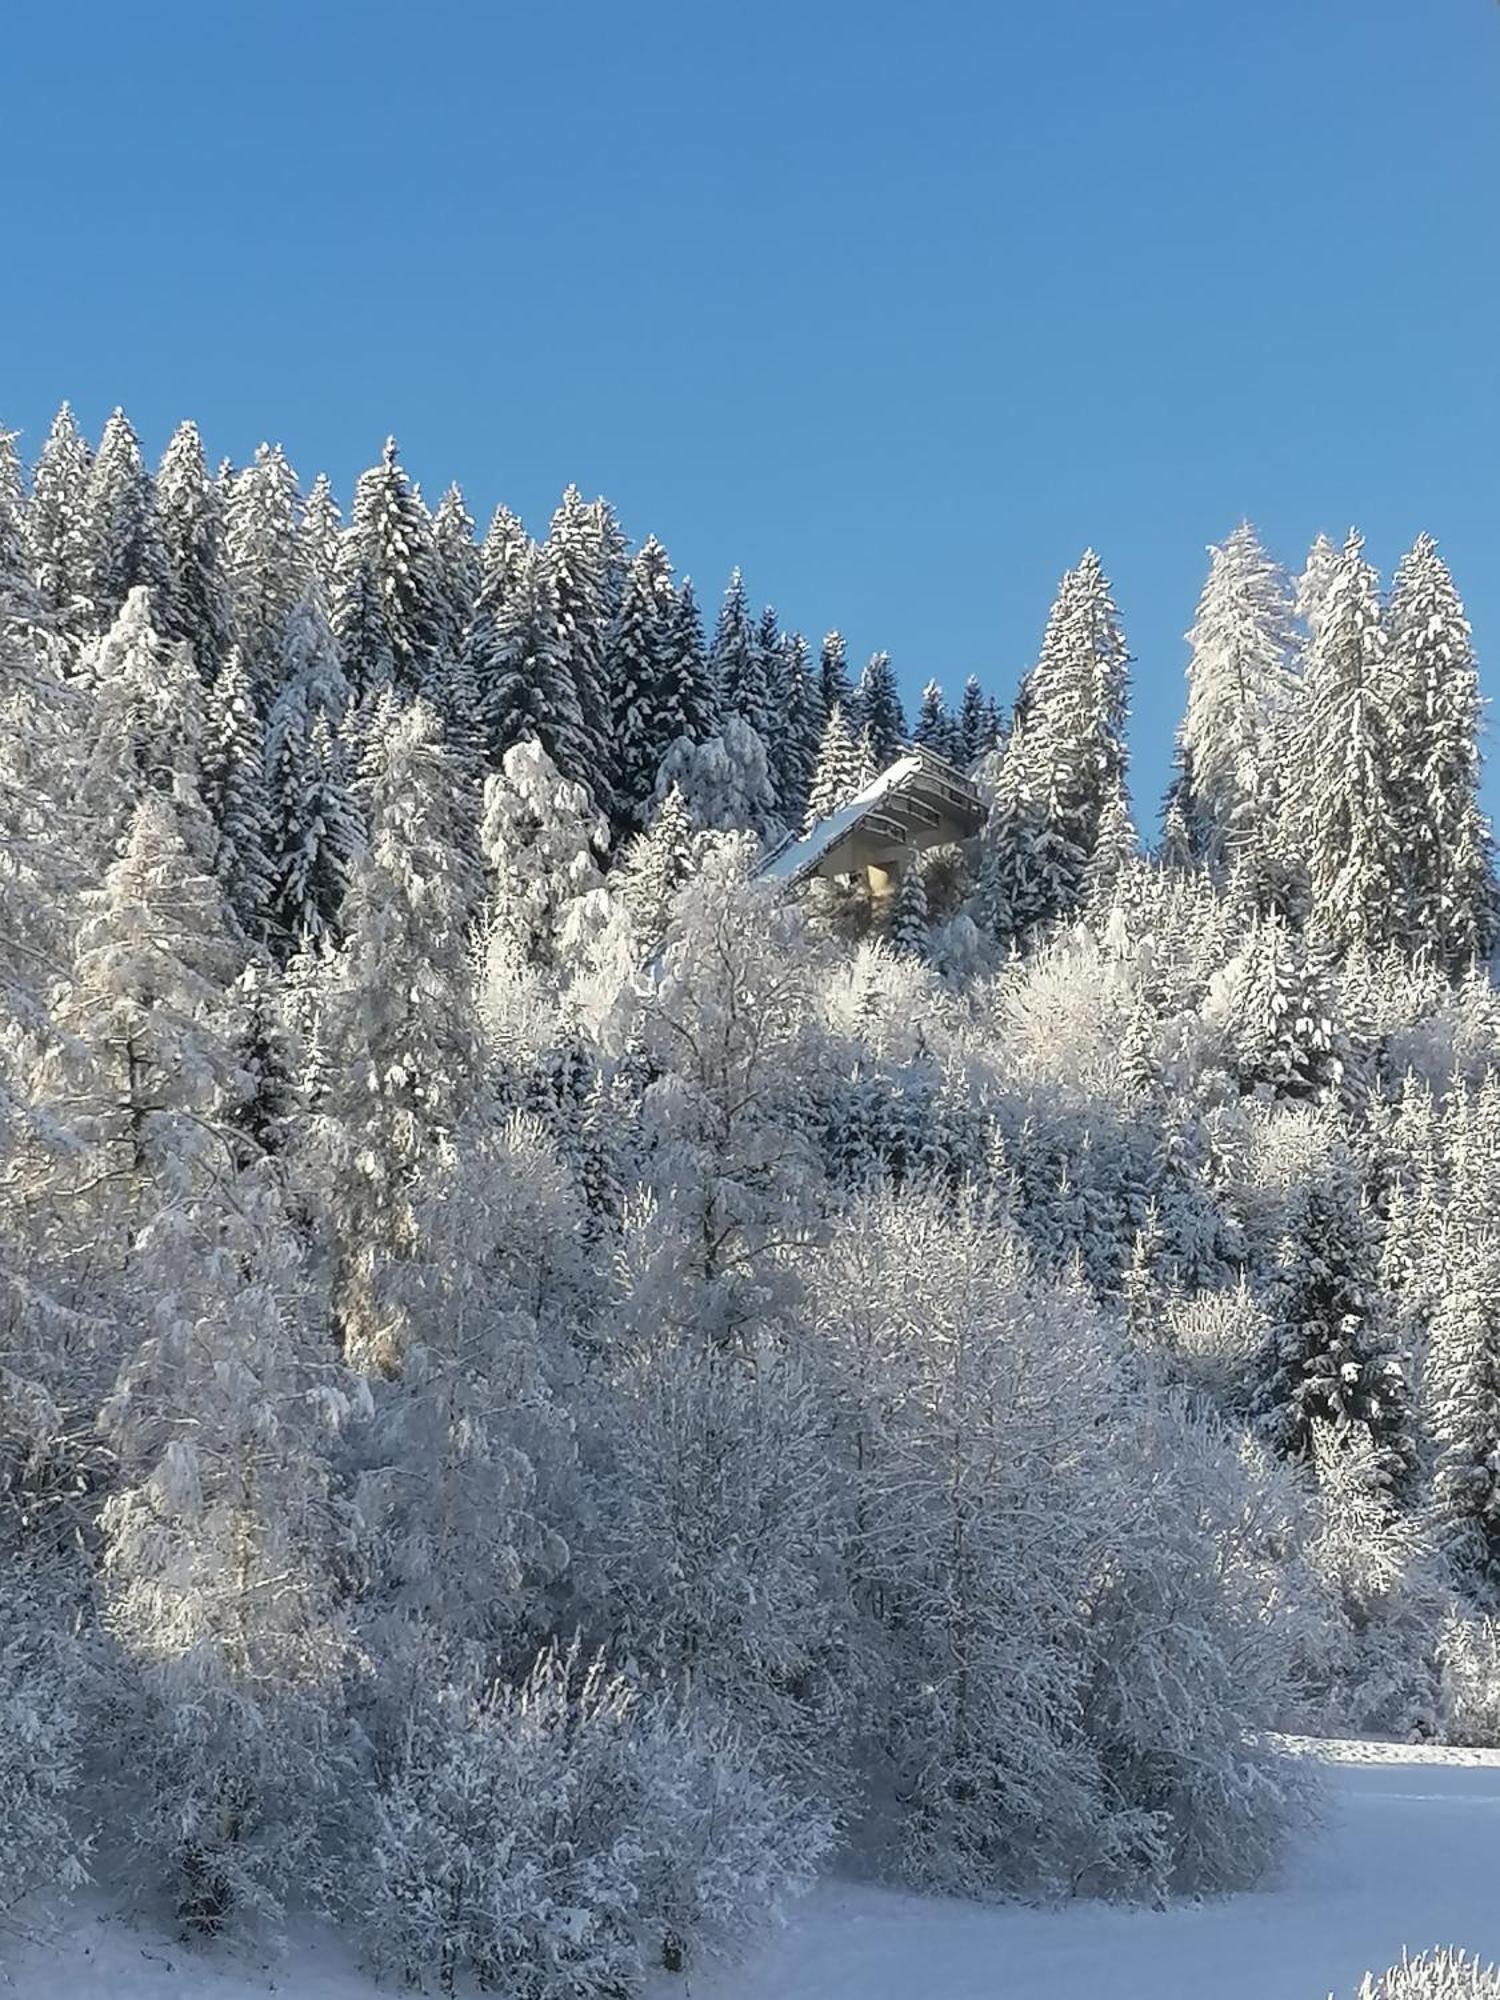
(1409, 1855)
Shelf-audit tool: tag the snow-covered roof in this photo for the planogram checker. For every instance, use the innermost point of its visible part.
(797, 858)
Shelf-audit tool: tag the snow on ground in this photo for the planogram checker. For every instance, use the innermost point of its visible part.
(1408, 1855)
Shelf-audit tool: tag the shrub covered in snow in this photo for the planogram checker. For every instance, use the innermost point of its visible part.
(562, 1838)
(1435, 1975)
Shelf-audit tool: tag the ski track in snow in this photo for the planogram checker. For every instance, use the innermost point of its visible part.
(1407, 1855)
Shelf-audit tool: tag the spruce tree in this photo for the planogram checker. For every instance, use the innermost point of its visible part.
(1445, 841)
(1063, 774)
(646, 715)
(196, 603)
(578, 555)
(1342, 790)
(936, 730)
(458, 566)
(799, 735)
(654, 867)
(978, 725)
(390, 548)
(15, 573)
(689, 673)
(843, 770)
(909, 921)
(320, 533)
(835, 687)
(881, 716)
(737, 663)
(233, 784)
(57, 519)
(122, 526)
(1313, 585)
(315, 830)
(1331, 1358)
(266, 564)
(523, 682)
(1239, 683)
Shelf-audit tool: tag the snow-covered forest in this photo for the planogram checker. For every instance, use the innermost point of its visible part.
(553, 1388)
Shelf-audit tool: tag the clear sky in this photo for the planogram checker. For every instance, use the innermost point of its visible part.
(899, 307)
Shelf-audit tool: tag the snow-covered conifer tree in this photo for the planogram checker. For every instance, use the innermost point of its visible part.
(265, 563)
(233, 784)
(578, 556)
(647, 714)
(389, 541)
(936, 729)
(799, 730)
(1239, 685)
(834, 683)
(315, 830)
(1342, 798)
(196, 605)
(1449, 891)
(522, 677)
(978, 729)
(123, 530)
(321, 531)
(737, 663)
(654, 867)
(842, 770)
(57, 519)
(881, 716)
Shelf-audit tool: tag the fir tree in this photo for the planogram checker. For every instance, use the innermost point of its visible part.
(978, 725)
(1331, 1359)
(578, 554)
(936, 730)
(1445, 841)
(689, 674)
(1342, 796)
(654, 867)
(799, 736)
(737, 663)
(842, 772)
(57, 520)
(523, 682)
(880, 713)
(647, 716)
(835, 687)
(123, 530)
(390, 547)
(458, 566)
(315, 830)
(15, 577)
(196, 604)
(1238, 688)
(265, 564)
(233, 784)
(321, 532)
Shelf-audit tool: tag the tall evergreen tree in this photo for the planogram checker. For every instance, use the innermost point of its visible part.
(978, 725)
(1342, 790)
(233, 783)
(15, 576)
(1448, 885)
(737, 663)
(57, 520)
(321, 532)
(1239, 683)
(1331, 1359)
(688, 669)
(523, 682)
(843, 770)
(457, 560)
(123, 528)
(834, 683)
(265, 563)
(647, 717)
(315, 830)
(881, 715)
(196, 604)
(799, 734)
(579, 555)
(936, 729)
(390, 549)
(1063, 775)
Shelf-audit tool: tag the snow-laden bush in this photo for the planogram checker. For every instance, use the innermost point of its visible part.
(564, 1838)
(40, 1845)
(1063, 1581)
(1468, 1654)
(1435, 1975)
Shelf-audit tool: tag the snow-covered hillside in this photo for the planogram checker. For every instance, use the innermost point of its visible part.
(1408, 1855)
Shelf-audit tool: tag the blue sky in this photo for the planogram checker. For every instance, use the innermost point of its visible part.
(897, 307)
